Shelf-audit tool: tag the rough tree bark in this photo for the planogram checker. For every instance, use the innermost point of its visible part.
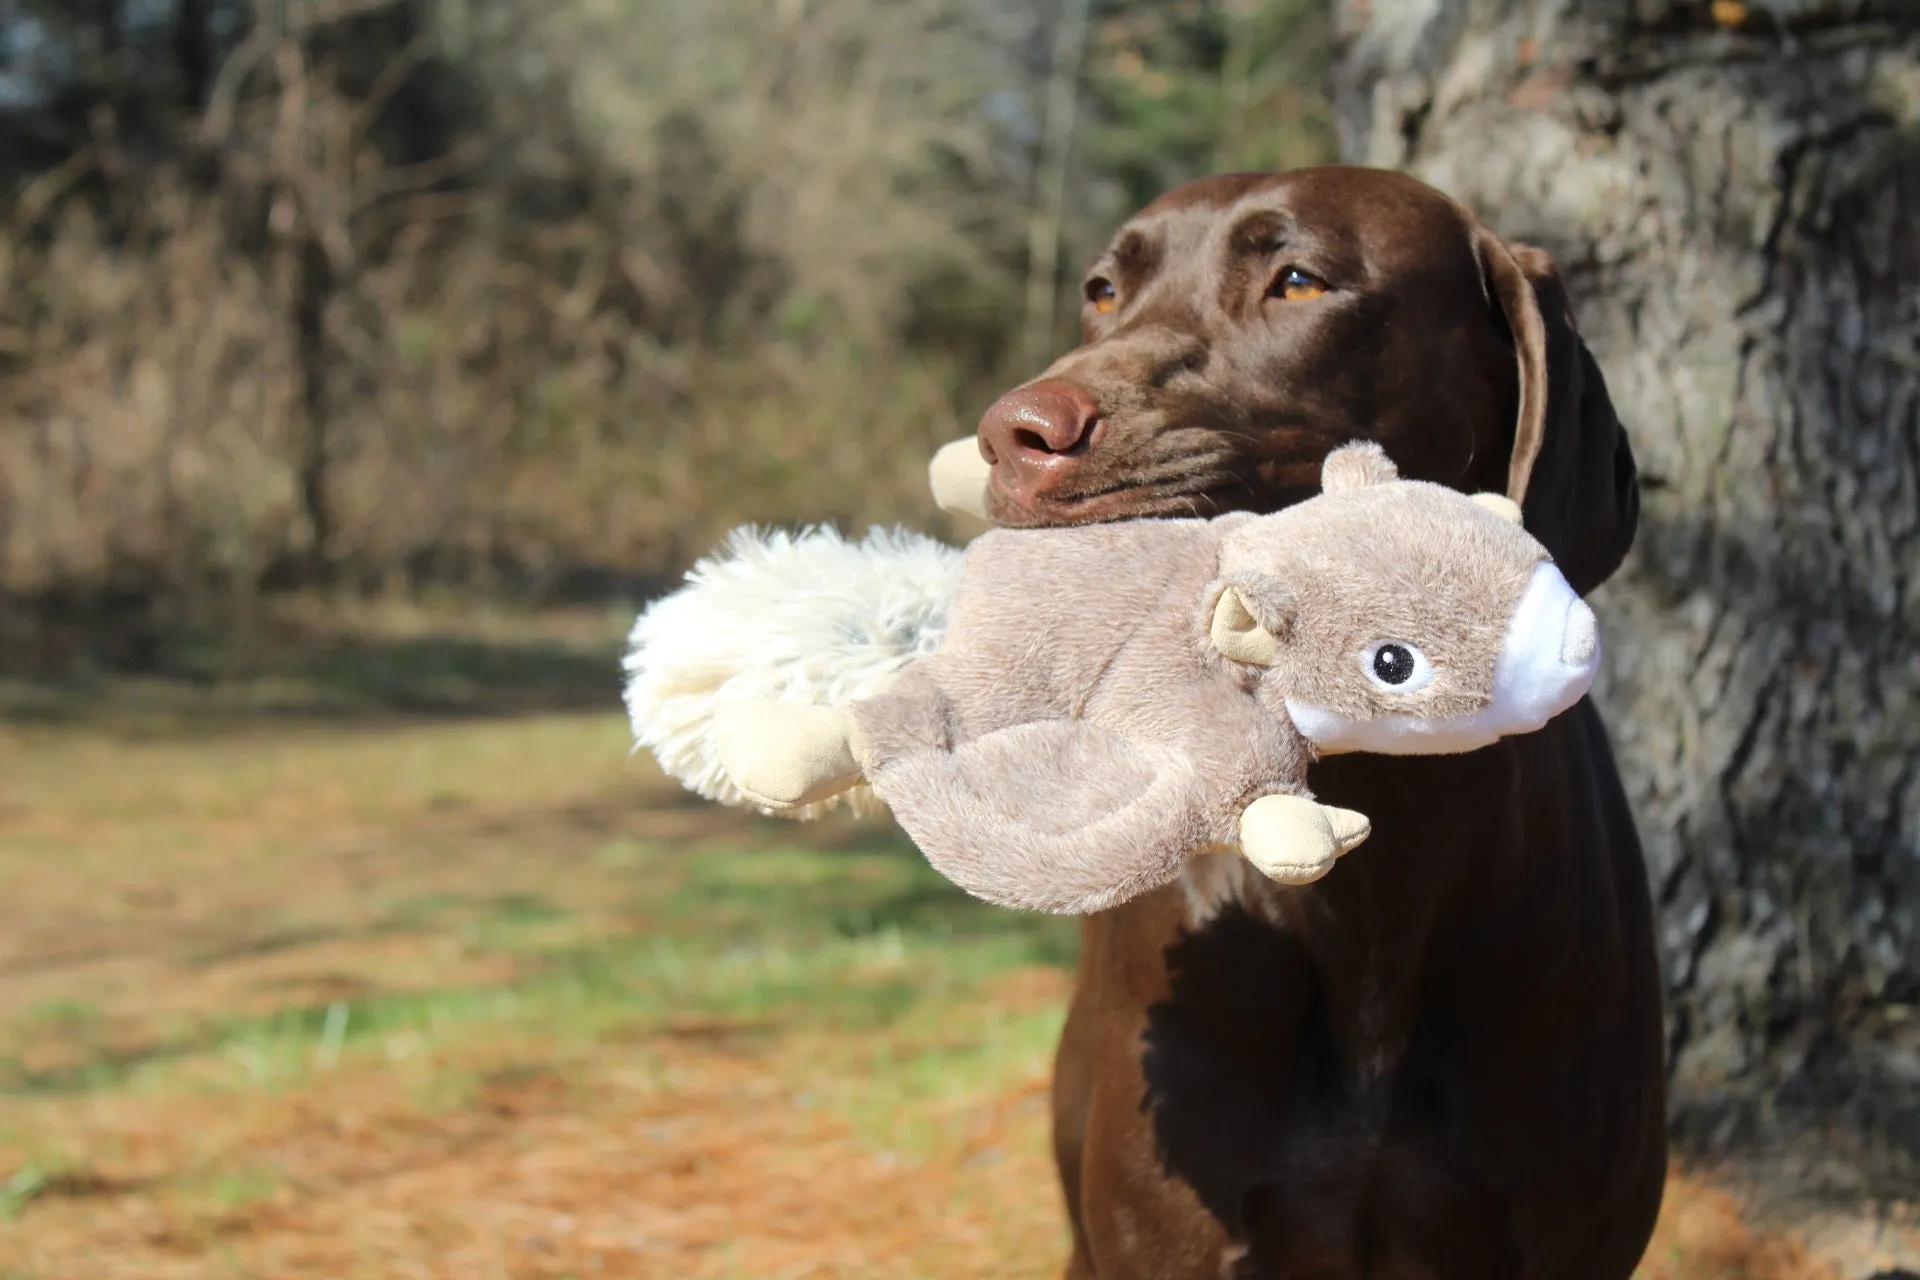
(1733, 191)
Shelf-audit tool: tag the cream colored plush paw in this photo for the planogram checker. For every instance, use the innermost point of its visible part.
(1294, 840)
(1349, 828)
(958, 476)
(783, 755)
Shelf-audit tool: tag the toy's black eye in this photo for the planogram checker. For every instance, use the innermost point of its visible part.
(1101, 293)
(1395, 666)
(1393, 663)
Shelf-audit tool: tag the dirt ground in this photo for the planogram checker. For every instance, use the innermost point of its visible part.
(482, 997)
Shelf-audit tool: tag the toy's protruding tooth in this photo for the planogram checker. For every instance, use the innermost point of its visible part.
(1582, 636)
(1349, 828)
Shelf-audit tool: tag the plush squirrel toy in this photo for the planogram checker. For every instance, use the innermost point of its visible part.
(1060, 718)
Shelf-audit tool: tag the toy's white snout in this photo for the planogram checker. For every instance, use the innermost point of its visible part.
(1549, 659)
(1582, 639)
(1546, 663)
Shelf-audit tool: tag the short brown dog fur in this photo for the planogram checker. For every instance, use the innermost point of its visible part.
(1443, 1059)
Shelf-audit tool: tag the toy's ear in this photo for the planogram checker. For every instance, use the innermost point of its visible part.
(1356, 466)
(1500, 504)
(1238, 634)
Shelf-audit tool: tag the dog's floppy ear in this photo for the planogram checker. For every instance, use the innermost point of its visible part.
(1571, 468)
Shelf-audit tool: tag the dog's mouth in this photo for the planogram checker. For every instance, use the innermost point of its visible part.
(1122, 500)
(1196, 469)
(1189, 471)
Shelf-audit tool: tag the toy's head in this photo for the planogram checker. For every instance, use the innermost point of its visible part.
(1400, 617)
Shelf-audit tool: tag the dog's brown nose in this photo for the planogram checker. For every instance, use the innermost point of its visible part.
(1035, 434)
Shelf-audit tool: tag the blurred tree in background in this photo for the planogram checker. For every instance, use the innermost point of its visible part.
(542, 296)
(1731, 192)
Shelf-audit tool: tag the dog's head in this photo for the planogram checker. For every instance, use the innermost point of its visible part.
(1240, 327)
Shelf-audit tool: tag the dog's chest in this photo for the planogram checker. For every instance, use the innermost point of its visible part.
(1328, 1142)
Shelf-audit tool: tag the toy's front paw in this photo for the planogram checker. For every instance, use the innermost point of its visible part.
(782, 755)
(1294, 840)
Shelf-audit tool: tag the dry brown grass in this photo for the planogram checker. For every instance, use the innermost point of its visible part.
(593, 1030)
(1703, 1233)
(684, 1153)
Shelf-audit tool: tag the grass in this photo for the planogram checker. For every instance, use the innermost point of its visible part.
(484, 996)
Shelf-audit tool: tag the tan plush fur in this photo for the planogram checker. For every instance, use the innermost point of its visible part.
(1401, 560)
(1083, 731)
(1082, 742)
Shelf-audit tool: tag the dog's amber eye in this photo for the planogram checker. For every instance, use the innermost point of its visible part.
(1295, 285)
(1100, 293)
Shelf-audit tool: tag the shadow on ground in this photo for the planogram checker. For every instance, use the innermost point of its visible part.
(326, 660)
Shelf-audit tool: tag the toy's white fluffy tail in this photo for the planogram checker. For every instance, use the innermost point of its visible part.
(807, 617)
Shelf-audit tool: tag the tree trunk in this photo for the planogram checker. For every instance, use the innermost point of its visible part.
(312, 276)
(193, 51)
(1733, 192)
(1047, 222)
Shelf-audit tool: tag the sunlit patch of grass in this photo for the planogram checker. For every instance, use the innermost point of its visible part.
(830, 983)
(395, 999)
(849, 938)
(230, 1191)
(20, 1188)
(62, 1012)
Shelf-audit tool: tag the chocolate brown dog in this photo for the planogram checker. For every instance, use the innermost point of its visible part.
(1444, 1060)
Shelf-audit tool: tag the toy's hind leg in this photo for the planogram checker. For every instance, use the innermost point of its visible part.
(1294, 840)
(784, 755)
(1050, 815)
